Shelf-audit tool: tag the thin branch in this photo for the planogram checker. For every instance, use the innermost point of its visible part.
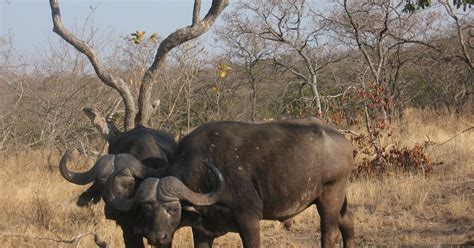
(292, 70)
(380, 42)
(408, 41)
(454, 136)
(466, 56)
(97, 240)
(350, 132)
(331, 61)
(358, 41)
(196, 12)
(105, 127)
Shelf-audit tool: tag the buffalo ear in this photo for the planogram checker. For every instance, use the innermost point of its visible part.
(92, 194)
(190, 216)
(188, 208)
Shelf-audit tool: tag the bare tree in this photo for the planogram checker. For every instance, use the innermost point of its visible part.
(463, 24)
(297, 39)
(146, 107)
(179, 82)
(444, 83)
(383, 35)
(248, 51)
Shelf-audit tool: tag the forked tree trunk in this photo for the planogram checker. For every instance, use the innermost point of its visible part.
(146, 105)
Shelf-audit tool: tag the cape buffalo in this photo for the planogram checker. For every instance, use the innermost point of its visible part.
(144, 146)
(272, 171)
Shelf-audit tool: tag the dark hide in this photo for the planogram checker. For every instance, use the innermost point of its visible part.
(92, 194)
(272, 171)
(154, 149)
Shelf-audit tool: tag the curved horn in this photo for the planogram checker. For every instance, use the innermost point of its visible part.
(136, 168)
(173, 189)
(122, 204)
(73, 177)
(110, 197)
(132, 170)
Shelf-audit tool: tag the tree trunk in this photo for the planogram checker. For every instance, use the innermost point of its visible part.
(317, 97)
(253, 99)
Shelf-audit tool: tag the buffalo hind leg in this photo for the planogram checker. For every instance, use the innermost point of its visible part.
(329, 208)
(346, 226)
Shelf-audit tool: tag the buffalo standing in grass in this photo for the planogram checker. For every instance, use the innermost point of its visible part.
(270, 171)
(140, 146)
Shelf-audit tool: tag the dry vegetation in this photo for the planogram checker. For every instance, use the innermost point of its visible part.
(423, 62)
(38, 205)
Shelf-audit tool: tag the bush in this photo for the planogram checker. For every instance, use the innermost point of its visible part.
(395, 161)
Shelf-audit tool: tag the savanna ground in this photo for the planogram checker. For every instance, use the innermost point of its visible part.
(38, 206)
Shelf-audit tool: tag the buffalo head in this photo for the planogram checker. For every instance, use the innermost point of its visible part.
(160, 202)
(99, 173)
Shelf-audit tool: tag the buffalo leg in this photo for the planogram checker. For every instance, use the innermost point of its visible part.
(202, 240)
(163, 246)
(288, 223)
(92, 194)
(346, 226)
(249, 230)
(132, 240)
(329, 207)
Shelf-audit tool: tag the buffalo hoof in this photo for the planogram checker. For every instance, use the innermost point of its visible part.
(288, 224)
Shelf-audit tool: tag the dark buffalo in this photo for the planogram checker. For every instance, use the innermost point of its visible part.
(142, 146)
(272, 171)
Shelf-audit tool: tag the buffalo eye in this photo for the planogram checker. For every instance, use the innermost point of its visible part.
(174, 210)
(148, 208)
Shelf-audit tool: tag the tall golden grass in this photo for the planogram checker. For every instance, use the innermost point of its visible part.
(38, 206)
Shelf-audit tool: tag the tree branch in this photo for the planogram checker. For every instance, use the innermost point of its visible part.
(110, 80)
(178, 37)
(292, 70)
(105, 127)
(359, 43)
(454, 136)
(196, 12)
(466, 56)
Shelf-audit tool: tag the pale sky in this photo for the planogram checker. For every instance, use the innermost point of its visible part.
(30, 20)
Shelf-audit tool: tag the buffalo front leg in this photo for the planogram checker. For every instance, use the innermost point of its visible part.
(249, 230)
(130, 239)
(201, 240)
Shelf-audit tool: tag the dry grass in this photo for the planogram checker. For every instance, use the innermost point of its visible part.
(38, 206)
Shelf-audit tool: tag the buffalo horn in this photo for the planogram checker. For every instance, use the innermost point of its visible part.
(121, 204)
(135, 170)
(173, 189)
(74, 177)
